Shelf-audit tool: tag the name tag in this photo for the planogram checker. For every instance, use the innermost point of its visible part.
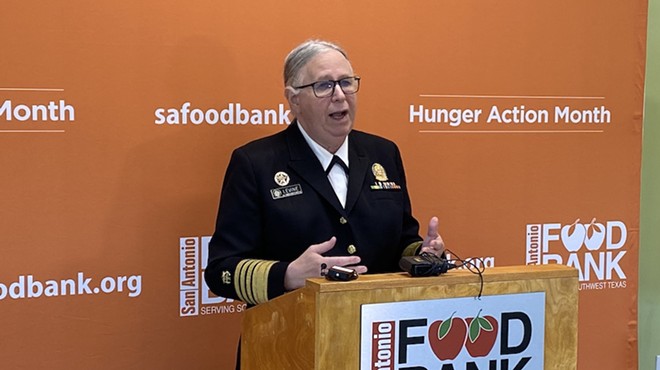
(286, 191)
(385, 185)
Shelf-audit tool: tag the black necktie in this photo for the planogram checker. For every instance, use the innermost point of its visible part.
(336, 160)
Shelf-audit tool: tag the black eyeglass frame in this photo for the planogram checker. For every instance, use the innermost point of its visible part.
(334, 85)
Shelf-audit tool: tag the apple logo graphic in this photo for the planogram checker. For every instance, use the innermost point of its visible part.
(447, 337)
(595, 235)
(482, 334)
(573, 236)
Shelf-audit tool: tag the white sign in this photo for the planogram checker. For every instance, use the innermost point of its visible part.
(503, 332)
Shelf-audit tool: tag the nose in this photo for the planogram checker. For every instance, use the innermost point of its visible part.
(337, 93)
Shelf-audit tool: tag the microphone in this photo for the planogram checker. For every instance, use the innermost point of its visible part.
(425, 264)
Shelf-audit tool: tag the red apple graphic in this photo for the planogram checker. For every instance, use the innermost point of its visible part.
(447, 337)
(573, 236)
(482, 335)
(595, 235)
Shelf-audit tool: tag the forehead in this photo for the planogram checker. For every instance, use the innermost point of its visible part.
(329, 64)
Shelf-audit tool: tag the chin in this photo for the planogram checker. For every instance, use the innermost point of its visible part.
(345, 124)
(344, 130)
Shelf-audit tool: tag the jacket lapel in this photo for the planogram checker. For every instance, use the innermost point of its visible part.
(357, 172)
(304, 162)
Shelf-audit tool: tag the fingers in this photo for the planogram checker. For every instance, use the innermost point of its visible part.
(433, 227)
(323, 247)
(310, 264)
(433, 242)
(327, 245)
(342, 261)
(436, 246)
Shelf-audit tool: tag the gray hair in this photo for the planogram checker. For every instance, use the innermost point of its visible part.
(302, 54)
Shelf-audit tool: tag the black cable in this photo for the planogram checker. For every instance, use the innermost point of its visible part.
(472, 267)
(428, 264)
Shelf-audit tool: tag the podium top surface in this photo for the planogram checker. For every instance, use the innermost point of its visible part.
(459, 276)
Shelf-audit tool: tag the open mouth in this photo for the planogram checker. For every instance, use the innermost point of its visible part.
(339, 115)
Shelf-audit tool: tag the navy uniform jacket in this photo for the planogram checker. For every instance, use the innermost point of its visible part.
(276, 201)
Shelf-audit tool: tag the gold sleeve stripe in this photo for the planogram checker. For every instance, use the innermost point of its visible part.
(251, 280)
(247, 280)
(239, 280)
(411, 249)
(245, 276)
(260, 288)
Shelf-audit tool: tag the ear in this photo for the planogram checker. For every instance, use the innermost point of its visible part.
(291, 95)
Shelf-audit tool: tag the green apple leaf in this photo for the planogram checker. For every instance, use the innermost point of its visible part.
(445, 327)
(485, 324)
(475, 329)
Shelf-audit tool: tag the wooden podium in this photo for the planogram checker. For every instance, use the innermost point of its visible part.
(318, 326)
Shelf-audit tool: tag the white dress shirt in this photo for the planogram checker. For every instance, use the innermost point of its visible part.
(338, 177)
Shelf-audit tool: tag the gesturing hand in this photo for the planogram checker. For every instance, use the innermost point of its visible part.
(309, 264)
(433, 241)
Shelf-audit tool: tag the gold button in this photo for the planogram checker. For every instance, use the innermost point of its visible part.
(351, 249)
(343, 220)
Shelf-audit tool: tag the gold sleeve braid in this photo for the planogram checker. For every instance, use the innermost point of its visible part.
(251, 280)
(411, 249)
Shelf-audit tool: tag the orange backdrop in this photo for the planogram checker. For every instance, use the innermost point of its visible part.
(108, 196)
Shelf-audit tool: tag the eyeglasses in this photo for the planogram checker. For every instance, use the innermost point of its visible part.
(323, 89)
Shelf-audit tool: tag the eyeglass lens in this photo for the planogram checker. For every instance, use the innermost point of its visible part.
(349, 85)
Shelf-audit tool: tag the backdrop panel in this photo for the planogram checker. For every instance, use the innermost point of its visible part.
(519, 124)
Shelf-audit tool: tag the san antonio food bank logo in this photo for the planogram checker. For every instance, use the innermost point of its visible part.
(423, 335)
(596, 249)
(195, 297)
